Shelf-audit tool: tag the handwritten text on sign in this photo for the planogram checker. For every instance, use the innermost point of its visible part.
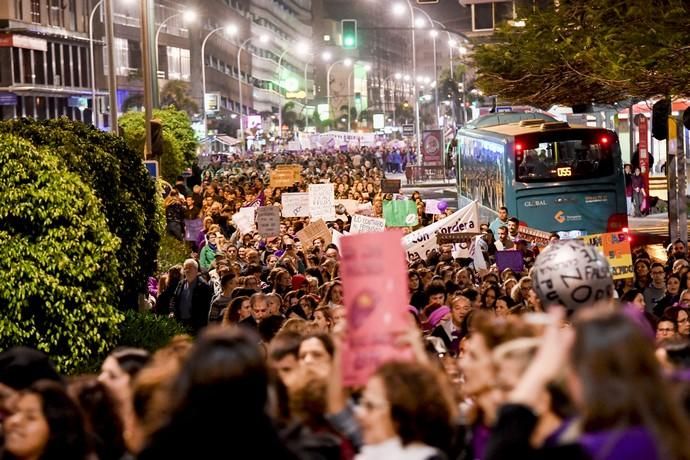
(364, 224)
(295, 204)
(321, 202)
(268, 221)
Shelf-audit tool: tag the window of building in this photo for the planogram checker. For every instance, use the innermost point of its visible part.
(18, 10)
(36, 11)
(121, 57)
(487, 16)
(178, 64)
(55, 13)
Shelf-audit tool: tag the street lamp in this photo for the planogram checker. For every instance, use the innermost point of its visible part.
(347, 62)
(399, 10)
(367, 68)
(94, 110)
(187, 16)
(230, 29)
(263, 39)
(302, 49)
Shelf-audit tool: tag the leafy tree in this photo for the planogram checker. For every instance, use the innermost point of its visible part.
(57, 256)
(115, 172)
(177, 93)
(590, 51)
(179, 141)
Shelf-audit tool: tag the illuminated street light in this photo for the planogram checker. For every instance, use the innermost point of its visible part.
(347, 62)
(326, 56)
(399, 9)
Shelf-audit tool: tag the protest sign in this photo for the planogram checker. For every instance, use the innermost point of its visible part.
(431, 206)
(420, 242)
(364, 224)
(268, 221)
(349, 205)
(192, 227)
(533, 235)
(365, 209)
(321, 202)
(373, 269)
(295, 169)
(244, 221)
(615, 247)
(281, 178)
(313, 231)
(295, 204)
(390, 185)
(400, 213)
(335, 237)
(510, 259)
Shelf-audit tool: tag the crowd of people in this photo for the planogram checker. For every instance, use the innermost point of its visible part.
(497, 372)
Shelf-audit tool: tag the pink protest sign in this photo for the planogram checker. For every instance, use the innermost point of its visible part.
(374, 275)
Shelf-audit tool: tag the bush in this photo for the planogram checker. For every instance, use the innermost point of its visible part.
(172, 252)
(118, 177)
(148, 331)
(57, 258)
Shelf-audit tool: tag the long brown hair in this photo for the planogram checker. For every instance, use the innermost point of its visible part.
(622, 384)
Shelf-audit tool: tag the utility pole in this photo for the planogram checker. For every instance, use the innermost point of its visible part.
(148, 77)
(112, 73)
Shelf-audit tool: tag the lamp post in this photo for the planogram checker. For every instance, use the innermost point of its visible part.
(347, 62)
(231, 30)
(187, 15)
(112, 77)
(397, 76)
(410, 9)
(94, 109)
(301, 48)
(263, 39)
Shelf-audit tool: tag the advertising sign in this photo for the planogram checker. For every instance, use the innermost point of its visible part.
(432, 148)
(212, 102)
(373, 269)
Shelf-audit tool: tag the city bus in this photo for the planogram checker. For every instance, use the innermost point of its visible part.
(550, 175)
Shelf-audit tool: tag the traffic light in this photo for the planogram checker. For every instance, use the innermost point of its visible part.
(349, 33)
(660, 112)
(156, 138)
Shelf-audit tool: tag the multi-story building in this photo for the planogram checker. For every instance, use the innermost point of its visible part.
(44, 55)
(288, 24)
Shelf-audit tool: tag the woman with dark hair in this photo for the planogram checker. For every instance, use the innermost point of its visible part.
(406, 411)
(104, 428)
(671, 297)
(316, 354)
(118, 372)
(635, 298)
(417, 296)
(504, 305)
(46, 424)
(167, 292)
(626, 406)
(333, 295)
(239, 309)
(323, 320)
(218, 403)
(489, 297)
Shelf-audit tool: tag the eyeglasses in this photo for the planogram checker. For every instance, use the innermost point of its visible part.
(657, 272)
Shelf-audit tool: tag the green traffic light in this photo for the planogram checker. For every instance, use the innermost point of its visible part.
(349, 41)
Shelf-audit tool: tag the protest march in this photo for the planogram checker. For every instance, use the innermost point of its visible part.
(331, 312)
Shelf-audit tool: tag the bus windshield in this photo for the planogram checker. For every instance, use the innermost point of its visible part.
(575, 155)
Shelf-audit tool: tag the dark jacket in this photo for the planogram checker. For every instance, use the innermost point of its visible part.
(510, 439)
(201, 303)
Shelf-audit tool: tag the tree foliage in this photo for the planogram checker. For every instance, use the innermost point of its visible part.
(57, 256)
(179, 139)
(177, 93)
(118, 178)
(590, 51)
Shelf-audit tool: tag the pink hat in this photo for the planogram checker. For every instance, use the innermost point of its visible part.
(437, 316)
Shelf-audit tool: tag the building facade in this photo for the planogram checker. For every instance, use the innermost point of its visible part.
(44, 54)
